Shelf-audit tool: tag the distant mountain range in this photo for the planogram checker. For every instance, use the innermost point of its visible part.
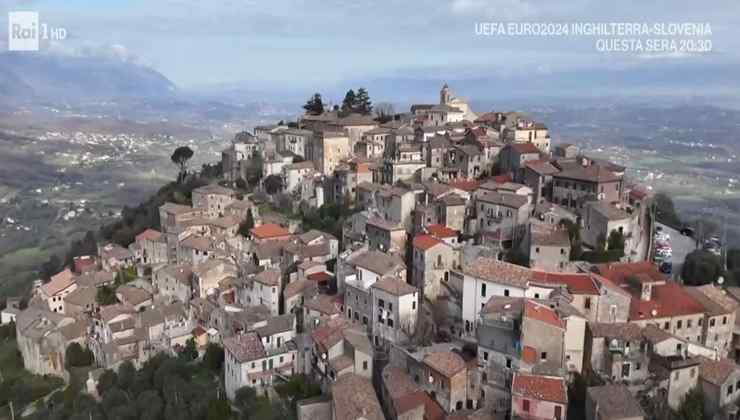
(55, 78)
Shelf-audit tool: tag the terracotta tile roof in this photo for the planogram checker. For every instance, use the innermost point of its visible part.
(717, 371)
(321, 276)
(593, 173)
(353, 397)
(200, 243)
(198, 331)
(615, 402)
(149, 235)
(576, 283)
(394, 286)
(542, 167)
(515, 201)
(323, 304)
(425, 242)
(442, 231)
(543, 388)
(446, 363)
(299, 286)
(668, 299)
(59, 282)
(655, 334)
(465, 185)
(245, 347)
(397, 382)
(493, 270)
(378, 262)
(621, 330)
(269, 230)
(542, 313)
(525, 148)
(268, 277)
(407, 402)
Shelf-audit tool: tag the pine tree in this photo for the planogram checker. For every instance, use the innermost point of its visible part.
(349, 103)
(314, 105)
(363, 105)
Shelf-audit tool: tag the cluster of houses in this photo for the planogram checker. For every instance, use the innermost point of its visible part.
(414, 313)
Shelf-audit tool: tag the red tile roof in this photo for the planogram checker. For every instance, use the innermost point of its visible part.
(442, 231)
(576, 283)
(269, 230)
(148, 235)
(446, 363)
(319, 277)
(543, 388)
(425, 242)
(668, 299)
(502, 179)
(523, 148)
(542, 313)
(465, 185)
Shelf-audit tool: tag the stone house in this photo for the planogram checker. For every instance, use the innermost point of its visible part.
(339, 349)
(213, 199)
(262, 289)
(500, 213)
(719, 317)
(174, 281)
(537, 175)
(41, 342)
(353, 397)
(294, 140)
(432, 261)
(53, 292)
(248, 363)
(618, 352)
(384, 235)
(513, 157)
(327, 149)
(576, 184)
(538, 397)
(612, 402)
(149, 248)
(547, 247)
(719, 381)
(395, 306)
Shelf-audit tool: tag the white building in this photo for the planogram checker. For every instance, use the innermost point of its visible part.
(395, 308)
(249, 363)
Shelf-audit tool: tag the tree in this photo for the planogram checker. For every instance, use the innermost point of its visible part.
(692, 405)
(349, 103)
(107, 381)
(363, 105)
(665, 211)
(213, 359)
(384, 112)
(190, 352)
(126, 376)
(105, 296)
(615, 240)
(180, 157)
(247, 224)
(273, 184)
(245, 399)
(76, 356)
(314, 105)
(254, 169)
(50, 267)
(574, 234)
(701, 267)
(218, 410)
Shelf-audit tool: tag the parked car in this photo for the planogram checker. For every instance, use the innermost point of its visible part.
(666, 267)
(687, 231)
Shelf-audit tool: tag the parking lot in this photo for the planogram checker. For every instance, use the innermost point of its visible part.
(680, 245)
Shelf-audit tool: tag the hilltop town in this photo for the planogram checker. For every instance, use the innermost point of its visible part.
(439, 263)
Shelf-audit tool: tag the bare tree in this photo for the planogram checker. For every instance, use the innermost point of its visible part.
(384, 112)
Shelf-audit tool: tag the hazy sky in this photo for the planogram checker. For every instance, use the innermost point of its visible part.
(303, 42)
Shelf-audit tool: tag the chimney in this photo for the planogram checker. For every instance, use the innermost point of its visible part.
(647, 291)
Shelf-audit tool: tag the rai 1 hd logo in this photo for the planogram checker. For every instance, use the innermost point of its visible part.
(25, 31)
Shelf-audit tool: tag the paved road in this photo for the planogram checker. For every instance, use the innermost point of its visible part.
(681, 246)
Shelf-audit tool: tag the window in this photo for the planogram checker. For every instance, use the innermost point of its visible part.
(364, 320)
(364, 365)
(390, 306)
(711, 322)
(537, 250)
(485, 355)
(558, 412)
(729, 390)
(483, 290)
(587, 303)
(638, 365)
(543, 355)
(679, 324)
(506, 292)
(666, 326)
(525, 406)
(508, 363)
(701, 321)
(676, 375)
(390, 322)
(724, 320)
(688, 323)
(381, 303)
(413, 305)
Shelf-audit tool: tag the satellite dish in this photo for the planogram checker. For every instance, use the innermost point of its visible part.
(720, 280)
(654, 312)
